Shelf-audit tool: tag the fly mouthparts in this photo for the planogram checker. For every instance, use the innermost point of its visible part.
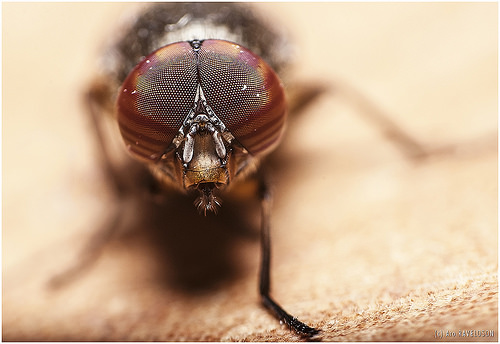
(207, 201)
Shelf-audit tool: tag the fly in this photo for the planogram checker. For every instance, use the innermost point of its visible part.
(195, 92)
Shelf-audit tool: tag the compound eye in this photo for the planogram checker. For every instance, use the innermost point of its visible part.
(155, 98)
(244, 92)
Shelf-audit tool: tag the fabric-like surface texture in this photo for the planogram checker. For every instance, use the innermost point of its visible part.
(368, 244)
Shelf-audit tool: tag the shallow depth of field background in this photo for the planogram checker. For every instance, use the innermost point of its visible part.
(367, 244)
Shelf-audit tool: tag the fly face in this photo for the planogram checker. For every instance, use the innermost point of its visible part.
(200, 114)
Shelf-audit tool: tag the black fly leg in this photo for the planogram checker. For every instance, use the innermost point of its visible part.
(264, 287)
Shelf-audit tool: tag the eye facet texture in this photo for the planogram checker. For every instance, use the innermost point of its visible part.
(243, 91)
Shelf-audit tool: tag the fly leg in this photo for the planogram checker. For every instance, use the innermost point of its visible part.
(90, 252)
(95, 101)
(98, 101)
(411, 148)
(264, 286)
(305, 94)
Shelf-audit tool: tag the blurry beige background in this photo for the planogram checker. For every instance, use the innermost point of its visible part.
(367, 245)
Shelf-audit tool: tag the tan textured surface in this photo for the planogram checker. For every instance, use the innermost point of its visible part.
(367, 245)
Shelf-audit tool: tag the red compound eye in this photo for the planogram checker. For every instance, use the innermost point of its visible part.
(242, 90)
